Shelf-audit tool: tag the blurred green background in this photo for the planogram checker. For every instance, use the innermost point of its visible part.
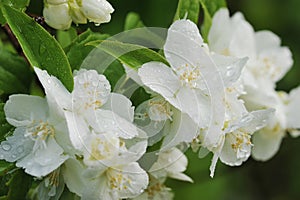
(277, 179)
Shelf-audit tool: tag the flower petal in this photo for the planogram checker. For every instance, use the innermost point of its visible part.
(44, 161)
(107, 121)
(16, 146)
(184, 45)
(134, 180)
(58, 97)
(182, 129)
(72, 171)
(266, 143)
(161, 79)
(231, 36)
(293, 109)
(229, 67)
(78, 129)
(120, 105)
(22, 109)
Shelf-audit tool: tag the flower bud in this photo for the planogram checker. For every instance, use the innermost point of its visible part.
(97, 11)
(76, 13)
(57, 16)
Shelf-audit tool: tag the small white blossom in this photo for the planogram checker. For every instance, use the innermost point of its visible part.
(33, 146)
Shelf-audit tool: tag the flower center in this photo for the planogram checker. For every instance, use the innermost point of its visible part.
(241, 144)
(39, 130)
(91, 90)
(117, 180)
(189, 75)
(160, 110)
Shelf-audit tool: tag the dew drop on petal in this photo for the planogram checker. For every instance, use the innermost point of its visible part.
(6, 146)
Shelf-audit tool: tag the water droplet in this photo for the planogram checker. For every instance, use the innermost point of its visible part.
(230, 72)
(6, 146)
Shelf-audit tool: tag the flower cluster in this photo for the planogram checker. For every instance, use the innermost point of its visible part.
(217, 96)
(59, 14)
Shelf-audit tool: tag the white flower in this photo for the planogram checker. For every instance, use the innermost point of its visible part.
(119, 176)
(235, 146)
(267, 140)
(235, 37)
(33, 146)
(57, 15)
(192, 81)
(81, 108)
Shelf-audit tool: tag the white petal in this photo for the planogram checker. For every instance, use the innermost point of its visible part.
(219, 33)
(22, 109)
(236, 149)
(180, 176)
(266, 40)
(231, 36)
(184, 45)
(108, 121)
(16, 146)
(97, 11)
(254, 120)
(161, 79)
(230, 67)
(120, 105)
(182, 129)
(213, 164)
(57, 16)
(196, 104)
(133, 177)
(266, 143)
(35, 168)
(293, 109)
(73, 176)
(58, 97)
(133, 74)
(78, 129)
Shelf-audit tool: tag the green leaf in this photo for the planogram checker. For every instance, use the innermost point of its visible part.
(114, 73)
(132, 55)
(15, 73)
(209, 7)
(40, 48)
(18, 4)
(139, 96)
(65, 38)
(188, 9)
(19, 185)
(77, 51)
(133, 21)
